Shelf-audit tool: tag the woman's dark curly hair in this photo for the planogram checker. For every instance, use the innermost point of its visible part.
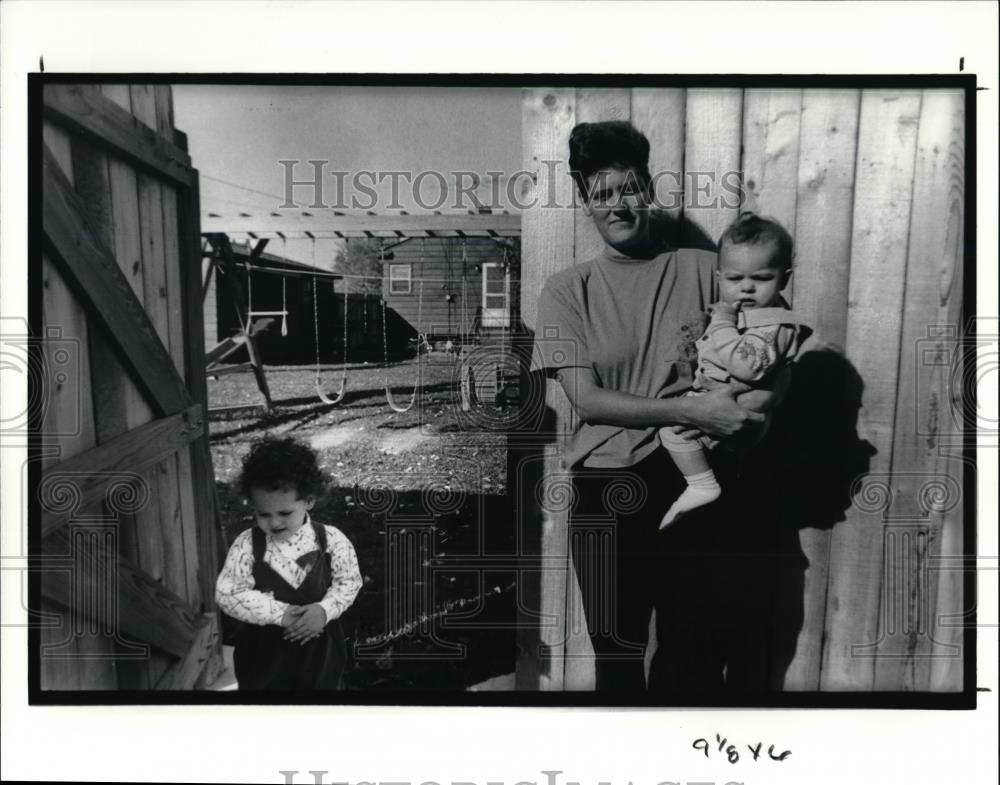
(611, 144)
(276, 464)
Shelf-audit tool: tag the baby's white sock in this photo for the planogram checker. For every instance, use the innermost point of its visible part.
(702, 489)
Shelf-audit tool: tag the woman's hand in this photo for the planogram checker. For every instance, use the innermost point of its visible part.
(717, 414)
(309, 624)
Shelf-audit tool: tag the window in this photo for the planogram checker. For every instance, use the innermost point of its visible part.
(399, 278)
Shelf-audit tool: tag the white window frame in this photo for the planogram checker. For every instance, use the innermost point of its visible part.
(395, 277)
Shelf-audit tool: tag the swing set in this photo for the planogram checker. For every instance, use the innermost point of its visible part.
(310, 226)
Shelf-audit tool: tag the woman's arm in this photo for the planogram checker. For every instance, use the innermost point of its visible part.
(715, 413)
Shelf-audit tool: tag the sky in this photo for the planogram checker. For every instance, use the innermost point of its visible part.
(239, 133)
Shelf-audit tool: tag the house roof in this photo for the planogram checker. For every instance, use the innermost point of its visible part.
(273, 262)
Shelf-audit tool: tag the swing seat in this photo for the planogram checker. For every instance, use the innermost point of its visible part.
(326, 398)
(395, 406)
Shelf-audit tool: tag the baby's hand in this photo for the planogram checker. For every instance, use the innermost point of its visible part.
(723, 311)
(308, 625)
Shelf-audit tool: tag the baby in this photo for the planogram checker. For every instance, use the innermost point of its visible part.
(750, 338)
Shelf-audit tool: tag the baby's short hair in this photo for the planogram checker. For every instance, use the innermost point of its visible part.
(752, 229)
(277, 463)
(606, 145)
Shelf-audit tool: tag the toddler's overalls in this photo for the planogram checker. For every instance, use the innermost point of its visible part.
(263, 659)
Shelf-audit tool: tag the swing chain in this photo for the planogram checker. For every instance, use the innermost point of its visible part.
(284, 306)
(248, 328)
(344, 355)
(316, 325)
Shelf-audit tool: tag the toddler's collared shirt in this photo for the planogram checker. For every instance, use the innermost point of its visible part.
(237, 597)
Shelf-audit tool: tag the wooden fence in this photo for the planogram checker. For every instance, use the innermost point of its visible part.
(126, 484)
(870, 183)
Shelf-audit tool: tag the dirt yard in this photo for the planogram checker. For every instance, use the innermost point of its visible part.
(418, 493)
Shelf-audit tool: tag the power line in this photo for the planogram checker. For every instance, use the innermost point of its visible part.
(242, 187)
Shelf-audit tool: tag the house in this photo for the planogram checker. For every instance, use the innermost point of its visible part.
(454, 288)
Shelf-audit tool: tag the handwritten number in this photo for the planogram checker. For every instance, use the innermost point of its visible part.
(733, 755)
(782, 756)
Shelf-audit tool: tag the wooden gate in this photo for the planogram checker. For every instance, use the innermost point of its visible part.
(126, 490)
(871, 184)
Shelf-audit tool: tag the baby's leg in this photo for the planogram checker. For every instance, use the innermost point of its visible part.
(692, 461)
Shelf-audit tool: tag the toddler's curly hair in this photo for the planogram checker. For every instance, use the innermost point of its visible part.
(279, 463)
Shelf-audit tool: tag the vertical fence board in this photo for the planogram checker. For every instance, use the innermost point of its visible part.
(713, 134)
(659, 114)
(548, 240)
(143, 103)
(188, 532)
(119, 93)
(154, 274)
(68, 409)
(771, 121)
(155, 302)
(65, 413)
(172, 267)
(943, 671)
(171, 533)
(163, 98)
(822, 263)
(203, 476)
(56, 673)
(915, 488)
(61, 145)
(883, 191)
(68, 412)
(127, 246)
(188, 520)
(108, 393)
(594, 105)
(824, 209)
(128, 252)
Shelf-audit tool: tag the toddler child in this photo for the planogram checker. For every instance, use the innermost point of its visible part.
(288, 578)
(751, 336)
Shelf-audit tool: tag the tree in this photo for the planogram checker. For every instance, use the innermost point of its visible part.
(360, 258)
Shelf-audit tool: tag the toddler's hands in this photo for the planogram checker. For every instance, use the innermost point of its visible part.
(291, 614)
(309, 624)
